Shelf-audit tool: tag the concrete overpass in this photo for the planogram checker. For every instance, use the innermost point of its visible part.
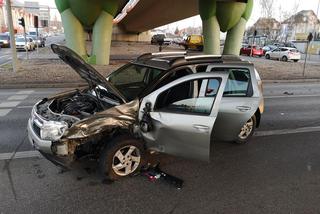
(149, 14)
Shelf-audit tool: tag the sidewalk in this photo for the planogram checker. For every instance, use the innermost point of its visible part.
(45, 69)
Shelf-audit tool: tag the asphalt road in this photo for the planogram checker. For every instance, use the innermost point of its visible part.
(277, 172)
(5, 53)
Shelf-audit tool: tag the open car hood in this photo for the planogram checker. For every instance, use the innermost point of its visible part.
(85, 71)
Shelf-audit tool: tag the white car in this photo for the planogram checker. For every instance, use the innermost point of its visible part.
(22, 45)
(284, 54)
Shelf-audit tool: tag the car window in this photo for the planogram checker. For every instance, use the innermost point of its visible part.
(276, 50)
(173, 76)
(284, 49)
(237, 83)
(201, 68)
(131, 80)
(187, 97)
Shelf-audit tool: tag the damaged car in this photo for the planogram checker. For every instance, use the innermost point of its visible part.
(165, 102)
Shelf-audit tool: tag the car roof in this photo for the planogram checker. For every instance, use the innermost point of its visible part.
(168, 60)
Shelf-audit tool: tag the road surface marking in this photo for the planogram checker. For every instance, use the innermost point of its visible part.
(17, 97)
(32, 154)
(4, 56)
(9, 104)
(4, 112)
(19, 155)
(292, 96)
(24, 106)
(25, 92)
(287, 131)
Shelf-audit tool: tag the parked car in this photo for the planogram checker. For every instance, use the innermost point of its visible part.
(21, 44)
(256, 51)
(165, 102)
(268, 48)
(158, 39)
(284, 54)
(5, 40)
(193, 42)
(40, 41)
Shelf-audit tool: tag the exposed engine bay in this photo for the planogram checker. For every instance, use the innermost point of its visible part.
(72, 107)
(80, 105)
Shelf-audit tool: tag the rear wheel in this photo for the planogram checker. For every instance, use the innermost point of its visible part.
(247, 130)
(121, 157)
(295, 60)
(284, 58)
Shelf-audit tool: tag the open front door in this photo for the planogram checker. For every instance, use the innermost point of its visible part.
(182, 114)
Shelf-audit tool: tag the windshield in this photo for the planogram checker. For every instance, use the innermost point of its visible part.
(20, 39)
(132, 79)
(3, 37)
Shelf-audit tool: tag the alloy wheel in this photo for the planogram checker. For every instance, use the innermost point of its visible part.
(246, 129)
(126, 160)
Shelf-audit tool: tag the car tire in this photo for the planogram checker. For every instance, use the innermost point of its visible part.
(129, 149)
(284, 58)
(295, 60)
(267, 56)
(247, 131)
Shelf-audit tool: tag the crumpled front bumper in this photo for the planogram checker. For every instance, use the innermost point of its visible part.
(44, 147)
(36, 141)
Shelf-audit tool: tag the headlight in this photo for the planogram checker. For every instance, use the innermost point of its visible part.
(53, 130)
(5, 42)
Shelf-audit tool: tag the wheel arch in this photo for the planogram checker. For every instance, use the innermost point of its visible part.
(258, 117)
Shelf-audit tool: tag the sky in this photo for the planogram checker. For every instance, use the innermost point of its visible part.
(285, 5)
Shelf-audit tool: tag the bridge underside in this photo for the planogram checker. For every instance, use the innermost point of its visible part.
(149, 14)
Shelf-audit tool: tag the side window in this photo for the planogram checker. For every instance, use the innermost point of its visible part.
(201, 68)
(187, 97)
(173, 76)
(238, 82)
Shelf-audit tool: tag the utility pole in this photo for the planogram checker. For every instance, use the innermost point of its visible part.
(12, 37)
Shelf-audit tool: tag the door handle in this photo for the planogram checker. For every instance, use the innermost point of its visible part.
(201, 128)
(243, 108)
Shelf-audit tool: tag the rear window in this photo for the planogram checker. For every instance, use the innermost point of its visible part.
(238, 81)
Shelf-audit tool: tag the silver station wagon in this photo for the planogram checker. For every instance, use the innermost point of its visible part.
(172, 103)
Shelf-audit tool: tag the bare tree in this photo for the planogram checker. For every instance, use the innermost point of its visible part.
(288, 15)
(267, 8)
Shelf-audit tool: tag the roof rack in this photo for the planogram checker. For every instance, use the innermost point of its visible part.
(204, 56)
(169, 53)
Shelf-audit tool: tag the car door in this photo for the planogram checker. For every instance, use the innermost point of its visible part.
(276, 53)
(240, 101)
(182, 116)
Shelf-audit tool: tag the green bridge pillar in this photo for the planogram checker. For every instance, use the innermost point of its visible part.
(225, 16)
(81, 15)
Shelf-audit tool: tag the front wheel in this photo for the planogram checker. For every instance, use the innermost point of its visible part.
(247, 131)
(284, 58)
(267, 56)
(121, 157)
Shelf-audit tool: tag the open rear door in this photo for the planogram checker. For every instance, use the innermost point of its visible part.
(182, 114)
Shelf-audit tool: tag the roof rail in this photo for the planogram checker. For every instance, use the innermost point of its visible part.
(169, 53)
(202, 57)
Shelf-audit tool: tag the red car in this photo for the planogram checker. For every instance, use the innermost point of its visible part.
(256, 51)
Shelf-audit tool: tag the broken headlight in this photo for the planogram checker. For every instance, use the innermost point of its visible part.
(53, 130)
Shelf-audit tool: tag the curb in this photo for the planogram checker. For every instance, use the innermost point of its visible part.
(75, 85)
(42, 85)
(292, 81)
